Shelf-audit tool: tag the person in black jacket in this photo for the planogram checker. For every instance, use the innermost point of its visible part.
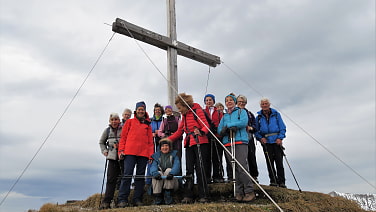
(251, 128)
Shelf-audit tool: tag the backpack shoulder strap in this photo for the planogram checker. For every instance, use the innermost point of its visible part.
(108, 131)
(258, 118)
(239, 111)
(194, 114)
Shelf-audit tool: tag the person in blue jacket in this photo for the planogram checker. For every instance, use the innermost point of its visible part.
(165, 163)
(156, 122)
(235, 121)
(271, 130)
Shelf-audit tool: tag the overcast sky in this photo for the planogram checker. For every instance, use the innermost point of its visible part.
(315, 61)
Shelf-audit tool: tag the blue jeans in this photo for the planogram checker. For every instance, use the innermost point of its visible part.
(148, 180)
(130, 161)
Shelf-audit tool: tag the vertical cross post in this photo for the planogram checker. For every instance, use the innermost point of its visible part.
(172, 66)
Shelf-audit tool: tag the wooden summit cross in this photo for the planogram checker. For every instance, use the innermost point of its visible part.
(168, 43)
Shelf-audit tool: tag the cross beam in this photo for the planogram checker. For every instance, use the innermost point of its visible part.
(170, 44)
(123, 27)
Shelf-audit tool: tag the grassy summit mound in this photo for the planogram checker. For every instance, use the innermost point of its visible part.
(221, 200)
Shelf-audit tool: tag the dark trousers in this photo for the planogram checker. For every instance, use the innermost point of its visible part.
(274, 160)
(192, 161)
(113, 172)
(130, 162)
(228, 168)
(177, 145)
(252, 163)
(216, 159)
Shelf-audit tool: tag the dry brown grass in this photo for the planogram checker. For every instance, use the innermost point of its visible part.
(221, 200)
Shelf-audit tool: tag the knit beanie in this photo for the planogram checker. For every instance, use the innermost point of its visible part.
(165, 142)
(232, 96)
(168, 106)
(210, 95)
(141, 104)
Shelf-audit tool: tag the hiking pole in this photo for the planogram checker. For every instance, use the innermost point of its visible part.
(218, 158)
(155, 143)
(233, 158)
(211, 159)
(265, 148)
(283, 152)
(204, 183)
(228, 152)
(104, 175)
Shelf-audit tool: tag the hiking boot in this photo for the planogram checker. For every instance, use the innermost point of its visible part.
(218, 180)
(137, 203)
(123, 204)
(104, 205)
(239, 197)
(282, 185)
(203, 200)
(273, 184)
(186, 200)
(249, 197)
(158, 199)
(168, 197)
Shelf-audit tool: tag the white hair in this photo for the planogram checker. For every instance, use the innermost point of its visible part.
(114, 115)
(242, 97)
(264, 99)
(127, 110)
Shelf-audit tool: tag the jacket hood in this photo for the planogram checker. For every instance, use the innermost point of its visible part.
(271, 109)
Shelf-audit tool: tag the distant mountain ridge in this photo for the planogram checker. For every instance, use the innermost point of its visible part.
(366, 201)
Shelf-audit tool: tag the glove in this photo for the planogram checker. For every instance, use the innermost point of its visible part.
(223, 131)
(170, 177)
(234, 129)
(158, 177)
(121, 156)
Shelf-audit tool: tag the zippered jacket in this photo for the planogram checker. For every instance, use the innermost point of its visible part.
(109, 138)
(274, 125)
(239, 119)
(169, 124)
(188, 124)
(137, 138)
(156, 163)
(215, 118)
(156, 123)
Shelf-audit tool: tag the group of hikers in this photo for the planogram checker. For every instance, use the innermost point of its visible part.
(154, 145)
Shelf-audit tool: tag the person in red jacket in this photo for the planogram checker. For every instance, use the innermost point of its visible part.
(136, 147)
(196, 146)
(216, 149)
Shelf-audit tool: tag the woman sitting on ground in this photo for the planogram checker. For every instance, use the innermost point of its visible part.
(165, 163)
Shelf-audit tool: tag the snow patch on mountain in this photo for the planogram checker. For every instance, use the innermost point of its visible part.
(366, 201)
